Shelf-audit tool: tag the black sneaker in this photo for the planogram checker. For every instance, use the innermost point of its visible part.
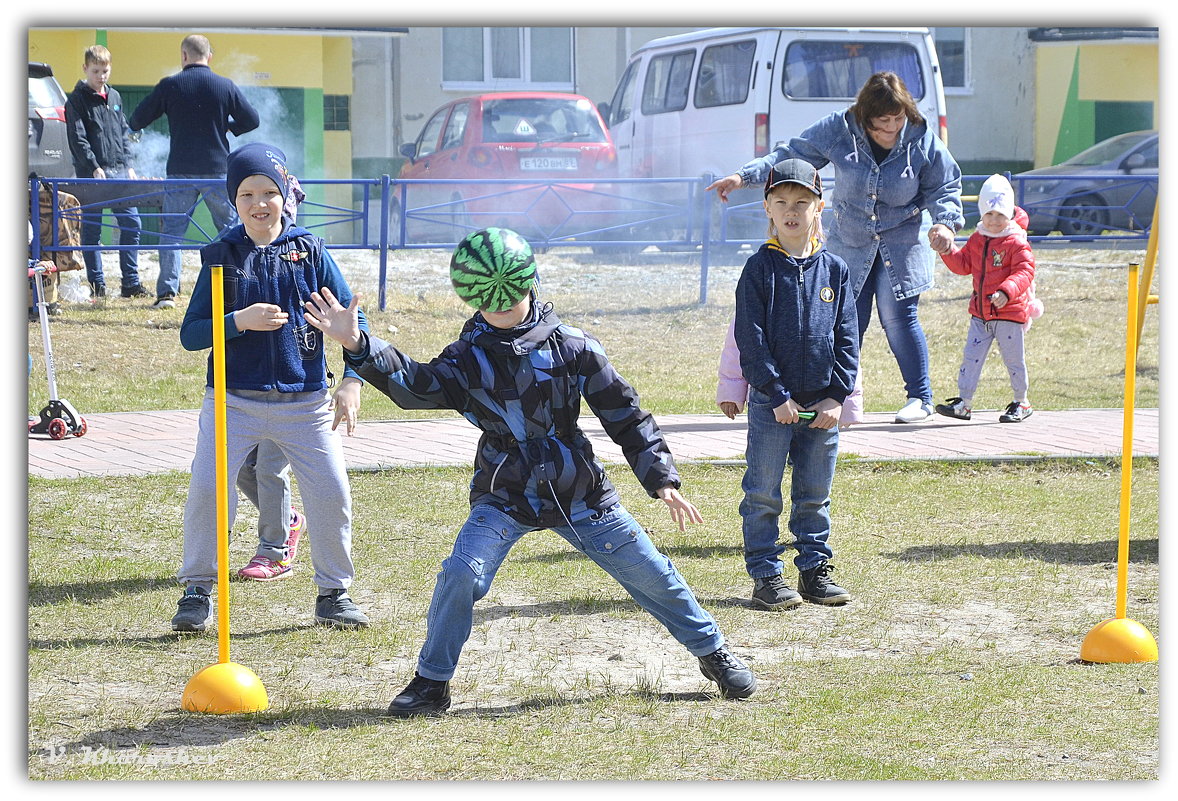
(1016, 412)
(165, 301)
(733, 675)
(955, 408)
(422, 697)
(194, 612)
(336, 608)
(98, 290)
(771, 592)
(816, 586)
(136, 291)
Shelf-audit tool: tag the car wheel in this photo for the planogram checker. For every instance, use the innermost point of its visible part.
(1082, 216)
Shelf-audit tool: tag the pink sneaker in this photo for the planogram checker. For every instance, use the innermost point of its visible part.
(262, 568)
(297, 528)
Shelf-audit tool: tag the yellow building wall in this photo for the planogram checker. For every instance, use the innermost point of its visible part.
(141, 58)
(1100, 72)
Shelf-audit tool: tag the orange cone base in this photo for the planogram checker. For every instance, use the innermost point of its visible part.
(1119, 640)
(225, 688)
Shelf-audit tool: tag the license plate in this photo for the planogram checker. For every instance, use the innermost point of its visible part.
(548, 163)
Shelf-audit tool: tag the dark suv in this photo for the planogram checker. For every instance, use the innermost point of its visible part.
(49, 151)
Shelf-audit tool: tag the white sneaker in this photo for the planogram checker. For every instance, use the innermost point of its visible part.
(914, 411)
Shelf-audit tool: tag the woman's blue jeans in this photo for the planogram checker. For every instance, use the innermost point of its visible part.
(613, 539)
(902, 328)
(812, 453)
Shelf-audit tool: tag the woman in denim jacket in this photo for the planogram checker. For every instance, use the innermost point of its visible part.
(890, 169)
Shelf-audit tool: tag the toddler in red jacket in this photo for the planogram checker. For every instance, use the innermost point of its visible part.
(1003, 302)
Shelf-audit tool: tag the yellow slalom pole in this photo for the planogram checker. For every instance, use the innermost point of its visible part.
(1120, 639)
(226, 687)
(1127, 442)
(1151, 255)
(220, 444)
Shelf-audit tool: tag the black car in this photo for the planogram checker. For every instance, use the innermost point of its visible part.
(49, 151)
(1112, 185)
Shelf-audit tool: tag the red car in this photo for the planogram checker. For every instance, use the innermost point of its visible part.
(555, 142)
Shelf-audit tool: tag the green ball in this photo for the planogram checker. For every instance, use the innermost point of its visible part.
(493, 269)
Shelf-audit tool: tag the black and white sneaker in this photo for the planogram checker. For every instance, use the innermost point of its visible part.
(955, 408)
(1016, 412)
(735, 678)
(194, 612)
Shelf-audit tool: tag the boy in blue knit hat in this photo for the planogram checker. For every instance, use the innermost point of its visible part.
(276, 386)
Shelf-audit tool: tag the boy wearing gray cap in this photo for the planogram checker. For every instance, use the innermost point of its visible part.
(797, 333)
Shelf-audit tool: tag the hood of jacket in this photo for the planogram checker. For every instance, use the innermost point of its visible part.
(520, 340)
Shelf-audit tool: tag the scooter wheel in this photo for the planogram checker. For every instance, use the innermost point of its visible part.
(57, 428)
(81, 429)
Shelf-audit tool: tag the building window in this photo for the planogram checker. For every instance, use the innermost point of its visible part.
(481, 59)
(337, 113)
(953, 54)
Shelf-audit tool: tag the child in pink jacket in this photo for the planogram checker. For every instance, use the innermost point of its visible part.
(1003, 302)
(732, 391)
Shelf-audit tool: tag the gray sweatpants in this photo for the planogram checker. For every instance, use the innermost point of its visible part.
(299, 423)
(982, 333)
(265, 480)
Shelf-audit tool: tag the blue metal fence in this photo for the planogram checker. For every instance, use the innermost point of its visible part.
(614, 216)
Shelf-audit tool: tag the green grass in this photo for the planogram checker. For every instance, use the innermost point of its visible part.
(958, 658)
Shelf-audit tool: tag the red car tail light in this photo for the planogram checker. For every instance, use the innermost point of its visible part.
(52, 113)
(761, 134)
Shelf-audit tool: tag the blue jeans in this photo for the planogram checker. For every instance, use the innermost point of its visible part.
(811, 452)
(127, 219)
(613, 539)
(902, 328)
(179, 203)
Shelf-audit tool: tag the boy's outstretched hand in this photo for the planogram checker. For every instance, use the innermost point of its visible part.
(340, 323)
(682, 510)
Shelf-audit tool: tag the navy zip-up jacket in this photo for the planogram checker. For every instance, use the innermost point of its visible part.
(523, 389)
(202, 109)
(285, 273)
(97, 130)
(796, 326)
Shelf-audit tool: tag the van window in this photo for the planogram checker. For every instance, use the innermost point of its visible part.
(817, 70)
(667, 80)
(622, 106)
(724, 73)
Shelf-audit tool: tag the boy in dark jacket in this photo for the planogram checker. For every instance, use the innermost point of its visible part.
(797, 333)
(519, 374)
(100, 142)
(276, 383)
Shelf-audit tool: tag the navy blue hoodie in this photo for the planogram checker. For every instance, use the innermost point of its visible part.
(796, 326)
(284, 272)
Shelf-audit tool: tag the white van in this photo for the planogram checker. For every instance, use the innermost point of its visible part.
(704, 103)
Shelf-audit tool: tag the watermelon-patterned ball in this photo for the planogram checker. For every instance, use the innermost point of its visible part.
(493, 269)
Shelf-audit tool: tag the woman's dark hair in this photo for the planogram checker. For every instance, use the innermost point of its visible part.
(882, 95)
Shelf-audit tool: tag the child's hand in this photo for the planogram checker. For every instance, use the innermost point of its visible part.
(725, 185)
(940, 238)
(730, 409)
(345, 401)
(682, 510)
(999, 299)
(260, 317)
(324, 312)
(829, 411)
(787, 412)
